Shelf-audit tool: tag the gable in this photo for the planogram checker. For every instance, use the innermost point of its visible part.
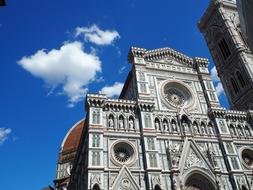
(125, 180)
(192, 157)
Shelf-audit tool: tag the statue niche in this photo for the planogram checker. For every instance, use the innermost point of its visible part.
(185, 122)
(111, 121)
(121, 122)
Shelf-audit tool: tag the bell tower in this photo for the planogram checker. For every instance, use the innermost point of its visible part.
(220, 26)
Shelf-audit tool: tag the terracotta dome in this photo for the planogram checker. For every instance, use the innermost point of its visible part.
(72, 139)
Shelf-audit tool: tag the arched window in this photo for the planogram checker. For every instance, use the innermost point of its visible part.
(240, 131)
(234, 85)
(95, 140)
(222, 126)
(96, 187)
(152, 160)
(157, 187)
(147, 121)
(95, 117)
(232, 130)
(95, 158)
(151, 143)
(224, 48)
(244, 188)
(141, 76)
(247, 130)
(241, 79)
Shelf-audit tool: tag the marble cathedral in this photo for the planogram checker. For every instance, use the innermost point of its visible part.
(167, 130)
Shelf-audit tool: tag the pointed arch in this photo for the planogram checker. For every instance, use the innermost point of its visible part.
(210, 128)
(157, 187)
(241, 79)
(232, 129)
(185, 122)
(198, 179)
(157, 124)
(248, 132)
(121, 122)
(240, 130)
(244, 188)
(96, 187)
(224, 48)
(173, 125)
(111, 121)
(203, 128)
(131, 122)
(195, 127)
(235, 85)
(165, 125)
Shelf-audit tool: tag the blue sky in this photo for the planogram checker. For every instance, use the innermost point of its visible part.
(52, 52)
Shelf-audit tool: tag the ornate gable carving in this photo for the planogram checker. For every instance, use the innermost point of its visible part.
(125, 180)
(192, 157)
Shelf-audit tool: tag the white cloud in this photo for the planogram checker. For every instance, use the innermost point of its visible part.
(95, 35)
(70, 68)
(4, 133)
(219, 89)
(113, 90)
(214, 75)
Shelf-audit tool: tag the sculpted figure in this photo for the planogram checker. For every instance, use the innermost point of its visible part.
(131, 123)
(185, 127)
(203, 129)
(157, 125)
(121, 124)
(174, 127)
(165, 126)
(111, 122)
(195, 128)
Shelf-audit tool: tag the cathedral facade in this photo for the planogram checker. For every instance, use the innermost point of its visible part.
(167, 130)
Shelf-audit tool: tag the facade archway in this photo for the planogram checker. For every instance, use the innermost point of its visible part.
(198, 181)
(96, 187)
(244, 188)
(157, 187)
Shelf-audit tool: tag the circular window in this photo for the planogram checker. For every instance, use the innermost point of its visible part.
(247, 157)
(123, 152)
(177, 94)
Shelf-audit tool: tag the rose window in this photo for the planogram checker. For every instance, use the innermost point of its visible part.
(177, 94)
(247, 157)
(123, 152)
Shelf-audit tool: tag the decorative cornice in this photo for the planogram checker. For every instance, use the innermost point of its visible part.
(146, 105)
(120, 104)
(95, 100)
(218, 112)
(156, 54)
(221, 112)
(202, 62)
(236, 115)
(102, 101)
